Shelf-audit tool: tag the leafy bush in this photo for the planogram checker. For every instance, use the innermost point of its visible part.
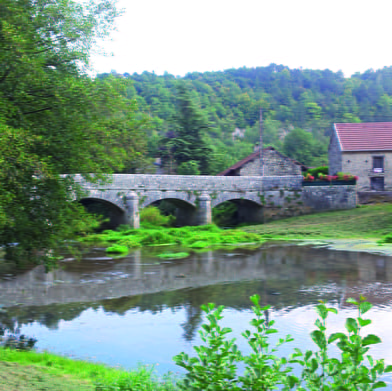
(317, 170)
(190, 167)
(343, 176)
(386, 239)
(224, 214)
(215, 366)
(152, 215)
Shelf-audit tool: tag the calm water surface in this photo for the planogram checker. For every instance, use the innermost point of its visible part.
(139, 309)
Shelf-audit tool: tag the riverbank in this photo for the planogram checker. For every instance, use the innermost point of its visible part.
(358, 229)
(30, 370)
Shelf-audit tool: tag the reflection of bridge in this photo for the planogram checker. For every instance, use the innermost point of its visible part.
(258, 198)
(281, 268)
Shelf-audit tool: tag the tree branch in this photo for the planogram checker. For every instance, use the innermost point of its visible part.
(37, 111)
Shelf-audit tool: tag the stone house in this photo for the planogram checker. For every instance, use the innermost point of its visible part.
(365, 150)
(275, 164)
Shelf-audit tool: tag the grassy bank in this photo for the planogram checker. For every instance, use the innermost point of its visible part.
(367, 222)
(29, 370)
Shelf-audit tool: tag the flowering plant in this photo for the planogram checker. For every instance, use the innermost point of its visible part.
(309, 178)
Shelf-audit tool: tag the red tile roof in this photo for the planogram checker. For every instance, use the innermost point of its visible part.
(256, 155)
(371, 136)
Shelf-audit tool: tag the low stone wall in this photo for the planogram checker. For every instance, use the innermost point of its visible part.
(310, 199)
(320, 198)
(371, 197)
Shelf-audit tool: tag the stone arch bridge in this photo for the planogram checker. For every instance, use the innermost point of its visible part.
(258, 198)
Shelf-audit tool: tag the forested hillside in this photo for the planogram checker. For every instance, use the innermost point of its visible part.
(299, 107)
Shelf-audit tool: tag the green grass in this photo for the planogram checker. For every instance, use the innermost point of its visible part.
(207, 236)
(367, 222)
(30, 370)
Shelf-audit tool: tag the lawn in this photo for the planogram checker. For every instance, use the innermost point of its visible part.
(32, 371)
(366, 222)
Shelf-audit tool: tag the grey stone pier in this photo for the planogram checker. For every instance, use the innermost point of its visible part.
(204, 210)
(132, 209)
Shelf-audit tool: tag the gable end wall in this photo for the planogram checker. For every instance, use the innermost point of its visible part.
(274, 165)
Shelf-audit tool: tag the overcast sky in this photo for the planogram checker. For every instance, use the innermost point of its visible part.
(181, 36)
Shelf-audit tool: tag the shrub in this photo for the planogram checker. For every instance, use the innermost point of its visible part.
(152, 215)
(215, 366)
(225, 214)
(317, 170)
(342, 176)
(190, 167)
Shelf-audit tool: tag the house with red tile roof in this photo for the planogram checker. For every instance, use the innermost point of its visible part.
(275, 164)
(365, 150)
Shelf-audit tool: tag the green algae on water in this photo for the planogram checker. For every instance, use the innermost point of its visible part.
(199, 237)
(180, 255)
(117, 249)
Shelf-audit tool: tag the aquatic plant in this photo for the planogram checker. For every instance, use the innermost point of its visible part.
(208, 236)
(180, 255)
(117, 249)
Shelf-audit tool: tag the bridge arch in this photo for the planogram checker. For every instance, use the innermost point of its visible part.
(248, 209)
(185, 211)
(152, 196)
(113, 211)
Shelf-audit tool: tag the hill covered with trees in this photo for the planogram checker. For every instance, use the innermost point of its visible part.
(299, 107)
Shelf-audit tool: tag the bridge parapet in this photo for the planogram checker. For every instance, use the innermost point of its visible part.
(195, 182)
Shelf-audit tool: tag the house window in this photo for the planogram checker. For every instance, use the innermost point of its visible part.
(377, 183)
(378, 164)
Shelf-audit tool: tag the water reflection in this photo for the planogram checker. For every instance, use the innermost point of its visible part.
(139, 304)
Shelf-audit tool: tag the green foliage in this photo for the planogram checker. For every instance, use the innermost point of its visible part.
(317, 170)
(187, 237)
(152, 216)
(301, 146)
(224, 214)
(386, 239)
(190, 167)
(55, 119)
(184, 144)
(117, 249)
(215, 366)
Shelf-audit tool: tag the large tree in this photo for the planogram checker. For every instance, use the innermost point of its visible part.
(55, 119)
(185, 142)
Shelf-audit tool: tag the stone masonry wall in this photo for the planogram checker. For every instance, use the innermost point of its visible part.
(277, 196)
(361, 164)
(274, 165)
(334, 156)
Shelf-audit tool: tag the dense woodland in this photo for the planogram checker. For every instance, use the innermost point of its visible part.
(299, 107)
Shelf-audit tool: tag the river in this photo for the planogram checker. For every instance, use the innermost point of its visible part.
(139, 309)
